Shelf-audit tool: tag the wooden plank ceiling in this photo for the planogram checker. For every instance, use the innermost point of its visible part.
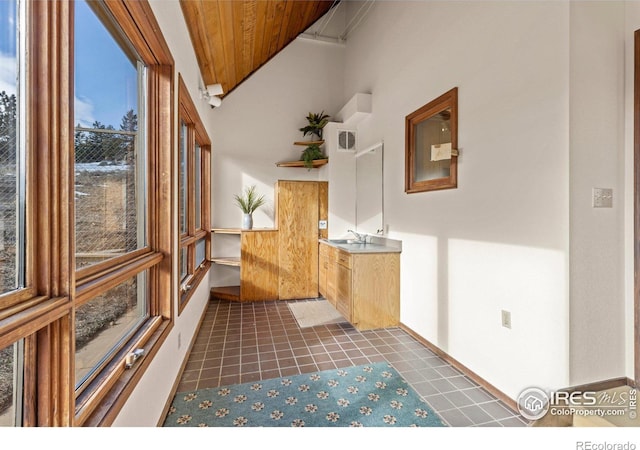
(233, 38)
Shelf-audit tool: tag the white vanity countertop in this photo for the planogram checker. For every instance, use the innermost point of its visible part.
(354, 247)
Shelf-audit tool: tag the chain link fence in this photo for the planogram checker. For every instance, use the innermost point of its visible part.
(8, 196)
(106, 197)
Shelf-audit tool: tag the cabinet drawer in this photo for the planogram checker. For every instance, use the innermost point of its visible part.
(344, 259)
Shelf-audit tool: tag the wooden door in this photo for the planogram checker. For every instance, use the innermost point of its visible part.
(297, 223)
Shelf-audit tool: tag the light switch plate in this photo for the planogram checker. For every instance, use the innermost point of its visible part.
(602, 198)
(322, 224)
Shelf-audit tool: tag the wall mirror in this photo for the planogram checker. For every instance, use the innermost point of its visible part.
(431, 145)
(369, 192)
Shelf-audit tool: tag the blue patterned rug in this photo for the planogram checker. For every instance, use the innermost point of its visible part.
(372, 395)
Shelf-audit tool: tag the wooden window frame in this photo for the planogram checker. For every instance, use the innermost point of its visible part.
(448, 100)
(44, 312)
(196, 135)
(99, 403)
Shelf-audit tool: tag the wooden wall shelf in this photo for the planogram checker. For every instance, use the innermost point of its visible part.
(307, 143)
(227, 261)
(226, 293)
(316, 163)
(226, 230)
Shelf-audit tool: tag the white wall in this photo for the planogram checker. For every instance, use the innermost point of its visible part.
(145, 405)
(256, 126)
(501, 240)
(597, 152)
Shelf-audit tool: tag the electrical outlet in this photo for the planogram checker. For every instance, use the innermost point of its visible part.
(602, 198)
(506, 319)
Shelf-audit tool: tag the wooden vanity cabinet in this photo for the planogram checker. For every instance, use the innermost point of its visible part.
(375, 288)
(363, 287)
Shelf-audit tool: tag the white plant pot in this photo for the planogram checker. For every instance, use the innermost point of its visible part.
(247, 222)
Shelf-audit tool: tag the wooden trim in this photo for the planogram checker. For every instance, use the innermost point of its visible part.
(141, 27)
(9, 299)
(508, 401)
(106, 280)
(87, 272)
(50, 131)
(30, 394)
(323, 207)
(602, 385)
(29, 321)
(161, 201)
(636, 208)
(189, 113)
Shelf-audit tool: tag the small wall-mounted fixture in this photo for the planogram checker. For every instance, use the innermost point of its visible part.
(346, 140)
(211, 94)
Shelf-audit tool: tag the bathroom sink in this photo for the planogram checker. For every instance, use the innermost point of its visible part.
(342, 241)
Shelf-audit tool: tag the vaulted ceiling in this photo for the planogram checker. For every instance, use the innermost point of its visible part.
(233, 38)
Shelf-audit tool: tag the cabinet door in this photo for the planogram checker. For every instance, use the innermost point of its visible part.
(323, 263)
(259, 265)
(332, 275)
(297, 223)
(343, 291)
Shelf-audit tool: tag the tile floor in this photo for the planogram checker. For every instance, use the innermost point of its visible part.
(242, 342)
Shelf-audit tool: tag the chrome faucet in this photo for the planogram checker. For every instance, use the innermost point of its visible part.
(360, 238)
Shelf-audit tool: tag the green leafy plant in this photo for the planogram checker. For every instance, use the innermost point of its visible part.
(311, 153)
(249, 201)
(317, 122)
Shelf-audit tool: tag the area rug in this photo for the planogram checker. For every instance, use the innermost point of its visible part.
(311, 314)
(372, 395)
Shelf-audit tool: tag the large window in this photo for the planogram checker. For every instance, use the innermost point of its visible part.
(117, 259)
(110, 183)
(195, 150)
(86, 233)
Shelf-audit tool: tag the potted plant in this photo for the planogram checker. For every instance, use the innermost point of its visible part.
(248, 202)
(317, 122)
(311, 153)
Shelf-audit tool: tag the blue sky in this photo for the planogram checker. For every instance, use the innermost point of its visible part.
(105, 79)
(7, 47)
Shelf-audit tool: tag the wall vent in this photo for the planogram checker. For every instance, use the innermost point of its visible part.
(346, 141)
